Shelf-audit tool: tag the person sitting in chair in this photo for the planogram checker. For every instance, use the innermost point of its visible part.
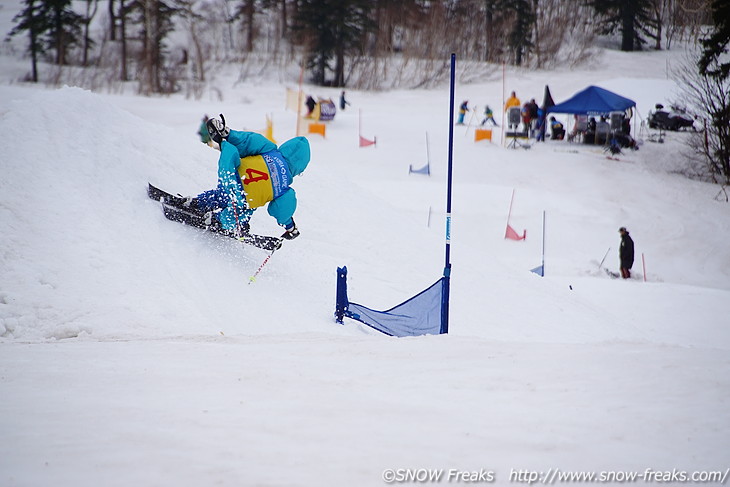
(557, 130)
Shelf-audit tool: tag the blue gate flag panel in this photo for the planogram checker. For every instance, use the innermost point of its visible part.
(424, 170)
(420, 315)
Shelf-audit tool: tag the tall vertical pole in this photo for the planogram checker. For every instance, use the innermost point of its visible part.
(447, 264)
(543, 243)
(503, 100)
(299, 101)
(511, 200)
(428, 157)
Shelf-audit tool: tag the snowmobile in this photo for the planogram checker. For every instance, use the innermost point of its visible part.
(675, 120)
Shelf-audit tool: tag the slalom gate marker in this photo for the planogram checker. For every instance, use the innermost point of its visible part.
(425, 169)
(363, 141)
(300, 101)
(482, 134)
(366, 143)
(426, 313)
(269, 130)
(511, 233)
(317, 128)
(540, 271)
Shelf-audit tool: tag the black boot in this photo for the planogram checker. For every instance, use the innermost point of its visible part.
(291, 231)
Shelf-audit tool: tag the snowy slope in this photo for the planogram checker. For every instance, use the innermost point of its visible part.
(134, 351)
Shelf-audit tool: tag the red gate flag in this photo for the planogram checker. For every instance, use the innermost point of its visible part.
(513, 235)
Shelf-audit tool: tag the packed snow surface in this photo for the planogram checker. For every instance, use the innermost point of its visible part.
(134, 351)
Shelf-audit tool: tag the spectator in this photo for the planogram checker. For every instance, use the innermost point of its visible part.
(310, 105)
(626, 252)
(512, 101)
(556, 129)
(343, 102)
(590, 136)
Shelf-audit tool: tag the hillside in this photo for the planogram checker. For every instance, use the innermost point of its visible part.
(134, 352)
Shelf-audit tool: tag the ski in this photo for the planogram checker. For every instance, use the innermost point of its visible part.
(611, 274)
(159, 195)
(173, 209)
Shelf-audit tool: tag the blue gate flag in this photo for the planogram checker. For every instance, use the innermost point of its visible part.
(424, 170)
(419, 315)
(428, 311)
(540, 271)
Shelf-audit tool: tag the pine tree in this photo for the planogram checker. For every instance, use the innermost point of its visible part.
(632, 17)
(91, 9)
(30, 19)
(717, 43)
(51, 25)
(64, 28)
(247, 10)
(332, 29)
(154, 19)
(520, 36)
(714, 83)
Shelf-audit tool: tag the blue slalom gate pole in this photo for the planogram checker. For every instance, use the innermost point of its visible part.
(447, 264)
(543, 243)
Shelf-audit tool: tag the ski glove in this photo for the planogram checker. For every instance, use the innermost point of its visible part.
(217, 129)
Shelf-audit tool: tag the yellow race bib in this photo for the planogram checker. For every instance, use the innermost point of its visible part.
(256, 180)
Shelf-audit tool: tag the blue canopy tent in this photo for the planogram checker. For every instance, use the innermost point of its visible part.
(593, 101)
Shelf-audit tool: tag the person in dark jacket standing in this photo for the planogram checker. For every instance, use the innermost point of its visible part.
(343, 101)
(626, 252)
(311, 104)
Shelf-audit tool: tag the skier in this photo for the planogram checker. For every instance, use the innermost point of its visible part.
(463, 108)
(489, 116)
(626, 252)
(252, 171)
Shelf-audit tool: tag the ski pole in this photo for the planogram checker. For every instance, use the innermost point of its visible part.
(474, 112)
(253, 278)
(604, 258)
